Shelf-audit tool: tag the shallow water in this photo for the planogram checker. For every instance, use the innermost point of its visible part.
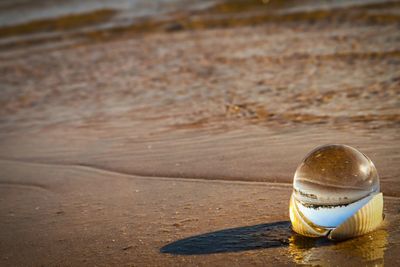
(66, 23)
(16, 12)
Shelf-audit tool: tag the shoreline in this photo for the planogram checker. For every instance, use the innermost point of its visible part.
(214, 119)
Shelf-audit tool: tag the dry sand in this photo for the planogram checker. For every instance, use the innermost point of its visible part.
(179, 148)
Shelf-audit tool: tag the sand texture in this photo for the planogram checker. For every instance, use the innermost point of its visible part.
(178, 146)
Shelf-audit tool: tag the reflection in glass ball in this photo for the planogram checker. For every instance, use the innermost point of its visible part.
(331, 184)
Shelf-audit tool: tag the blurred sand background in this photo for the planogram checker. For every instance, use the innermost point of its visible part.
(167, 133)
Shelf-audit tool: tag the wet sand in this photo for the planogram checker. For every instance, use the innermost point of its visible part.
(76, 215)
(179, 148)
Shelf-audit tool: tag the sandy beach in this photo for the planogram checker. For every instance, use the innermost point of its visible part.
(176, 145)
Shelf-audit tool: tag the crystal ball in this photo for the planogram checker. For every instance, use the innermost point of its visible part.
(333, 182)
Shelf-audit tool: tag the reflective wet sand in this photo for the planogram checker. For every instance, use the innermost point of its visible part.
(76, 215)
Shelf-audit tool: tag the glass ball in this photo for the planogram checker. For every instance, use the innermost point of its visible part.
(333, 175)
(333, 182)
